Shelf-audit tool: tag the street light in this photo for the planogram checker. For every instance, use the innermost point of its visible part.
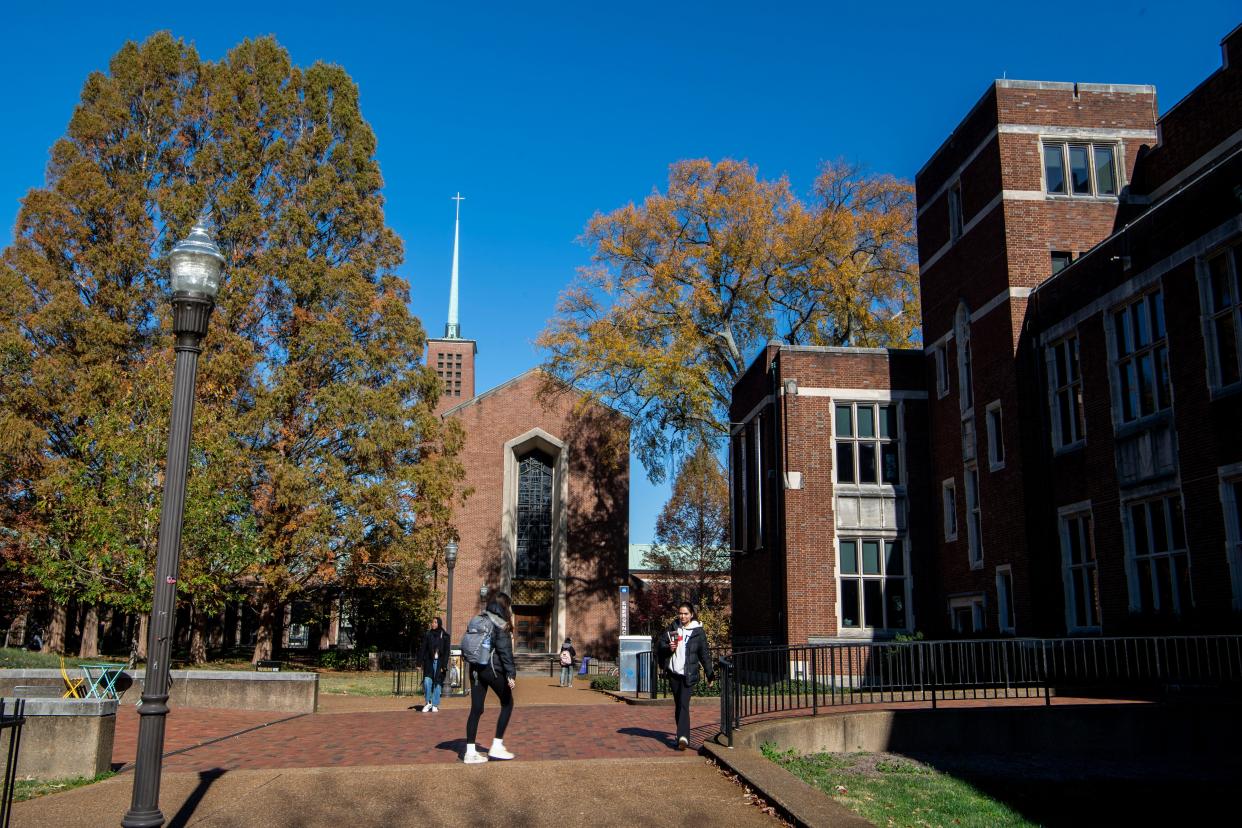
(450, 558)
(196, 264)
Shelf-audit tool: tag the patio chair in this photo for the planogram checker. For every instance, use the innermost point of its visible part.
(73, 686)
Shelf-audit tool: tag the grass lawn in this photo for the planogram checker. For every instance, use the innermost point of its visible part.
(895, 791)
(15, 658)
(356, 683)
(30, 788)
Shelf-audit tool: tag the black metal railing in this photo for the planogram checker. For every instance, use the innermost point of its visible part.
(11, 720)
(653, 684)
(779, 679)
(594, 667)
(407, 677)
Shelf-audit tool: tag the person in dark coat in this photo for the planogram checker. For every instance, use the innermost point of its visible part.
(434, 656)
(499, 675)
(683, 652)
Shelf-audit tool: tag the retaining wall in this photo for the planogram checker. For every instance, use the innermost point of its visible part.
(238, 690)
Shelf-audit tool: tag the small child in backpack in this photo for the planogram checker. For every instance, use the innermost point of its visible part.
(568, 654)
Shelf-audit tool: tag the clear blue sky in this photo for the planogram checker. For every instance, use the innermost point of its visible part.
(543, 113)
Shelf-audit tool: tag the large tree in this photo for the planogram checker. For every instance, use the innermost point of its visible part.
(691, 549)
(317, 457)
(687, 286)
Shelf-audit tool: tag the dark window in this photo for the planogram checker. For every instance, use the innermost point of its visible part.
(1054, 168)
(955, 211)
(534, 518)
(1225, 312)
(1080, 169)
(1092, 169)
(1142, 357)
(1060, 260)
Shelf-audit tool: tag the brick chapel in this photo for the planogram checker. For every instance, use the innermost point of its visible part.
(548, 517)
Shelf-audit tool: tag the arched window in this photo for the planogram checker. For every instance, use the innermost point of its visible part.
(534, 516)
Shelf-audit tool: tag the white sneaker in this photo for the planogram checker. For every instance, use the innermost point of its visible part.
(435, 709)
(499, 752)
(474, 758)
(426, 708)
(682, 742)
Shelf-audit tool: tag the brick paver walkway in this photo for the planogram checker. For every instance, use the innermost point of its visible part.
(610, 731)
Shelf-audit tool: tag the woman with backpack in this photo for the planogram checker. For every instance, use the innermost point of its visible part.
(434, 655)
(567, 657)
(683, 651)
(488, 647)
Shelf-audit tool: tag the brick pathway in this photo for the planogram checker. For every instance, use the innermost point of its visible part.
(407, 738)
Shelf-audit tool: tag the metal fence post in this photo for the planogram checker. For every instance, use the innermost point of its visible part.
(928, 648)
(13, 724)
(814, 682)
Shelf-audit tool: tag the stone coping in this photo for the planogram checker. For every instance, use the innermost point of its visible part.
(208, 675)
(66, 707)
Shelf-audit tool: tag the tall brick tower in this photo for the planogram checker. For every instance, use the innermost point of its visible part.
(453, 357)
(1030, 179)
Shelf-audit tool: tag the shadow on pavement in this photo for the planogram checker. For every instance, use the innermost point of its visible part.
(660, 736)
(456, 746)
(205, 780)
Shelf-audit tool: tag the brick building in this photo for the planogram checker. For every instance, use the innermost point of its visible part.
(1079, 267)
(548, 517)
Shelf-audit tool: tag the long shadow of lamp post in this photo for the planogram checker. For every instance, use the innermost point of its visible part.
(196, 265)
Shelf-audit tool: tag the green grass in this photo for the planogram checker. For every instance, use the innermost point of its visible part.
(894, 791)
(15, 658)
(356, 684)
(31, 788)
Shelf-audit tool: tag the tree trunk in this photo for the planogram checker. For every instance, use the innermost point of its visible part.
(16, 635)
(88, 647)
(269, 611)
(198, 638)
(54, 640)
(140, 637)
(107, 623)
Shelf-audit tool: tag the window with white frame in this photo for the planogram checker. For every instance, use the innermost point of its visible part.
(873, 583)
(955, 211)
(948, 495)
(941, 355)
(1080, 572)
(737, 461)
(1231, 503)
(1142, 366)
(964, 367)
(996, 437)
(1160, 565)
(1222, 323)
(974, 518)
(867, 443)
(1080, 169)
(758, 472)
(1004, 599)
(1069, 423)
(966, 614)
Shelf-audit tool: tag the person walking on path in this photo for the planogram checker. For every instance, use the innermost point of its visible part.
(568, 657)
(491, 666)
(434, 655)
(683, 650)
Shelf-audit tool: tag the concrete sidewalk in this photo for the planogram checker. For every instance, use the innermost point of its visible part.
(682, 790)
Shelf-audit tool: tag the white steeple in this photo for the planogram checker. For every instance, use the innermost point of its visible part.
(452, 330)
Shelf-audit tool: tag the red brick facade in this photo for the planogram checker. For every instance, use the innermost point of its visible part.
(1147, 481)
(588, 446)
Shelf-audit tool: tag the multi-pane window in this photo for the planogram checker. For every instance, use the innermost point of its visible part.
(1142, 357)
(534, 516)
(868, 443)
(955, 211)
(1223, 317)
(1072, 168)
(965, 370)
(966, 614)
(1231, 500)
(996, 437)
(948, 495)
(873, 583)
(1081, 574)
(1157, 548)
(1068, 421)
(974, 517)
(1004, 599)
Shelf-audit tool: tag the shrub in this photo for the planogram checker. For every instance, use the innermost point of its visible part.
(605, 683)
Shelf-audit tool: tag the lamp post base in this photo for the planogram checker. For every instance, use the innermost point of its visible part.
(151, 818)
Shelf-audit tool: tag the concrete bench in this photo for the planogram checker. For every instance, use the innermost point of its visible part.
(66, 738)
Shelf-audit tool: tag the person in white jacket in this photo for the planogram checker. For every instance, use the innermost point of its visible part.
(683, 652)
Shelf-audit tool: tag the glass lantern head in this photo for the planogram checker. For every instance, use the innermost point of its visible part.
(450, 553)
(196, 262)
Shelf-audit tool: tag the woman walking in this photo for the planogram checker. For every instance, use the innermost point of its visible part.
(434, 655)
(567, 656)
(683, 650)
(494, 671)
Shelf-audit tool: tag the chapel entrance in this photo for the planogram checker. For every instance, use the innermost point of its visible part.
(530, 629)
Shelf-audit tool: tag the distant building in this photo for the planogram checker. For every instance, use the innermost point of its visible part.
(1070, 461)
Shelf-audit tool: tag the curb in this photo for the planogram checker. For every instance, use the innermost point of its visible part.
(798, 802)
(662, 702)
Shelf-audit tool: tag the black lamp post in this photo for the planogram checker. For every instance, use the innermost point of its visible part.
(196, 264)
(450, 558)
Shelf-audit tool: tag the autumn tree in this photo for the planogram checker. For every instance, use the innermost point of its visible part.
(317, 459)
(691, 549)
(687, 286)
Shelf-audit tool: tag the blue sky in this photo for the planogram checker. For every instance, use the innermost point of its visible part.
(543, 113)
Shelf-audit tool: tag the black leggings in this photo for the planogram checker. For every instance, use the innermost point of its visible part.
(481, 679)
